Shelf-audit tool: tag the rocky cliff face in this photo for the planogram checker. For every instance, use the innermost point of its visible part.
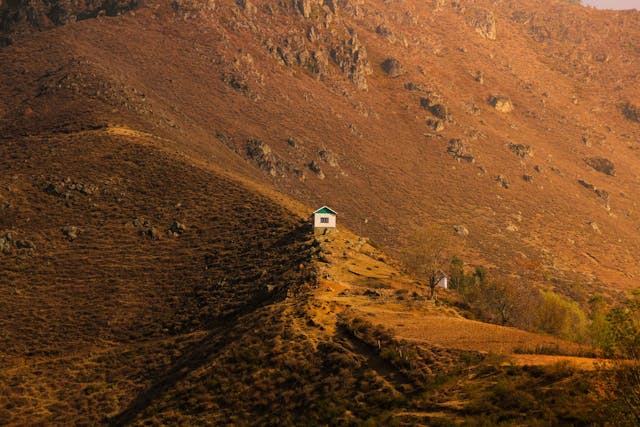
(19, 17)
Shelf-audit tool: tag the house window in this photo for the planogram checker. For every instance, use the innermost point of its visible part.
(324, 220)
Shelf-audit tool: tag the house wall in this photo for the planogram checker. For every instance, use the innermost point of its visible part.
(318, 224)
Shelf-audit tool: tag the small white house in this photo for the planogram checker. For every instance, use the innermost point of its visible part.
(324, 220)
(443, 282)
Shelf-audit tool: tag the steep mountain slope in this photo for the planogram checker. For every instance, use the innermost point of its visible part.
(147, 278)
(306, 81)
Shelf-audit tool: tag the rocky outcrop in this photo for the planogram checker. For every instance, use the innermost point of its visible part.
(521, 150)
(262, 155)
(20, 17)
(351, 57)
(392, 67)
(602, 165)
(293, 50)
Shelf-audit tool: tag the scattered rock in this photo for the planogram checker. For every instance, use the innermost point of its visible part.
(329, 157)
(460, 151)
(602, 165)
(461, 230)
(479, 77)
(484, 22)
(9, 241)
(521, 150)
(153, 233)
(440, 111)
(436, 125)
(503, 181)
(602, 194)
(392, 67)
(418, 87)
(512, 228)
(71, 232)
(527, 178)
(5, 245)
(67, 188)
(595, 227)
(632, 112)
(587, 185)
(538, 168)
(372, 293)
(177, 228)
(502, 104)
(385, 32)
(300, 174)
(316, 169)
(146, 229)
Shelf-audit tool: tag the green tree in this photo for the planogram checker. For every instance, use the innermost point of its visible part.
(624, 374)
(561, 317)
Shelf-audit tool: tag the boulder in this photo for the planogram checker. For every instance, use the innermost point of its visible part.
(502, 104)
(461, 230)
(632, 112)
(71, 232)
(503, 181)
(440, 111)
(393, 68)
(602, 165)
(316, 169)
(177, 228)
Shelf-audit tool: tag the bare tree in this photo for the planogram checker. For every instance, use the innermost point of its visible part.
(428, 255)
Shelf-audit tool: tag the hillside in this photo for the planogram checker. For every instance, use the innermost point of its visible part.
(160, 160)
(335, 129)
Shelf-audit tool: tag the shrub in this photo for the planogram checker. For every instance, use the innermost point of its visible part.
(561, 317)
